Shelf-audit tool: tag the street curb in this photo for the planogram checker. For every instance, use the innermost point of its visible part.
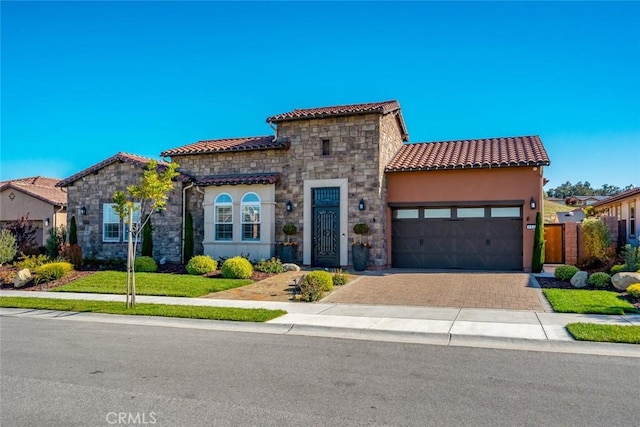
(429, 338)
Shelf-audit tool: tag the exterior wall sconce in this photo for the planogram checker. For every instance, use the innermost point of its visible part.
(361, 205)
(532, 203)
(46, 222)
(289, 206)
(83, 211)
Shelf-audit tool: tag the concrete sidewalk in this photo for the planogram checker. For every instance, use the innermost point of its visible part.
(435, 325)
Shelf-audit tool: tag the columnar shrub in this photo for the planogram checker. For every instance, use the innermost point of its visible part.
(565, 272)
(52, 271)
(8, 246)
(73, 231)
(595, 238)
(201, 264)
(600, 280)
(188, 238)
(237, 268)
(537, 261)
(147, 239)
(145, 264)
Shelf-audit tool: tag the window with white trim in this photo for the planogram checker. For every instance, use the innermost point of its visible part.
(223, 217)
(112, 224)
(136, 224)
(250, 217)
(632, 219)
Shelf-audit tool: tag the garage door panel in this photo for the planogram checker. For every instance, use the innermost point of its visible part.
(463, 243)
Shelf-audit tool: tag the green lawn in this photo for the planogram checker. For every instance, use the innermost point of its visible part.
(187, 311)
(587, 301)
(605, 333)
(160, 284)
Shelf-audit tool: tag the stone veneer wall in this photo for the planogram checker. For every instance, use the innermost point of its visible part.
(94, 190)
(355, 154)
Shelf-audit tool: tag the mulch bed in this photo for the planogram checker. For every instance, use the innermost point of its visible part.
(7, 273)
(552, 282)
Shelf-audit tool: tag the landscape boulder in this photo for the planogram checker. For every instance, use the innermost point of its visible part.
(22, 278)
(579, 280)
(621, 281)
(290, 267)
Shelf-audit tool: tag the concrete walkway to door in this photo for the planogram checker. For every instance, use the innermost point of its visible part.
(509, 291)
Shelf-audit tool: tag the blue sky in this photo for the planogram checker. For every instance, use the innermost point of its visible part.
(82, 81)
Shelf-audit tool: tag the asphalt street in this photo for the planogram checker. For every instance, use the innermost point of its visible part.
(58, 373)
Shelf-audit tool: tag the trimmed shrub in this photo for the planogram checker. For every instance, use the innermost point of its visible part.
(617, 269)
(52, 271)
(201, 264)
(595, 238)
(361, 228)
(273, 265)
(8, 246)
(634, 290)
(145, 264)
(565, 272)
(314, 285)
(289, 229)
(323, 276)
(32, 262)
(237, 268)
(600, 280)
(339, 277)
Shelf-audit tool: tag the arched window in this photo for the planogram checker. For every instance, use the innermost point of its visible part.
(250, 217)
(223, 217)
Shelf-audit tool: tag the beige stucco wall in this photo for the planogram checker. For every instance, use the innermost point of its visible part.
(37, 209)
(621, 209)
(472, 185)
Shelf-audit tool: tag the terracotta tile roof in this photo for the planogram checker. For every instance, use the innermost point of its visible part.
(474, 153)
(620, 196)
(229, 144)
(39, 187)
(120, 157)
(383, 107)
(237, 179)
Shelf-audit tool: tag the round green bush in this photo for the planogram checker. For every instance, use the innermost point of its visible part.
(237, 268)
(565, 272)
(634, 290)
(323, 277)
(201, 264)
(290, 229)
(600, 280)
(145, 264)
(361, 228)
(52, 271)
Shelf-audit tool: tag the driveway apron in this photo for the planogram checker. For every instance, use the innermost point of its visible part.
(509, 291)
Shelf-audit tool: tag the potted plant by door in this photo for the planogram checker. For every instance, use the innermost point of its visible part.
(360, 247)
(287, 250)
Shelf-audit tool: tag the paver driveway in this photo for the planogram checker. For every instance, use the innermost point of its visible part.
(510, 291)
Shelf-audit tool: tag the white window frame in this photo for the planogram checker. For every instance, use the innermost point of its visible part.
(110, 217)
(136, 221)
(219, 203)
(245, 206)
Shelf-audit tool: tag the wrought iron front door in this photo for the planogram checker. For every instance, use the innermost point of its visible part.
(326, 227)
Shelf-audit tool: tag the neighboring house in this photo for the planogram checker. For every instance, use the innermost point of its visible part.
(584, 200)
(623, 207)
(36, 197)
(455, 204)
(576, 215)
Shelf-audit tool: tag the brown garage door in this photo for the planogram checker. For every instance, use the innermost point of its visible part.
(472, 238)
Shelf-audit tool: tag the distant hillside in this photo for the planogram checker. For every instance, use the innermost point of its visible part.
(550, 209)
